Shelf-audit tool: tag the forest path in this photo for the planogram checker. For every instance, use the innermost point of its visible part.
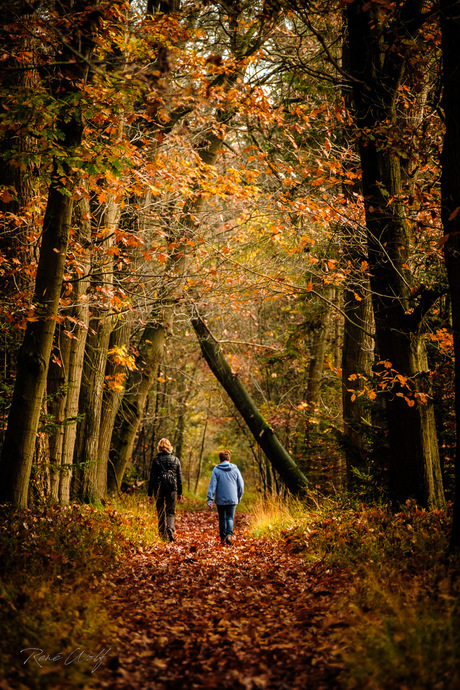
(194, 614)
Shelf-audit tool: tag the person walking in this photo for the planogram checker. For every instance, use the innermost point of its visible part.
(166, 486)
(226, 489)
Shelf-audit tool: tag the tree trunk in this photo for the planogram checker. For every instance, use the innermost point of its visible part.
(450, 194)
(318, 344)
(377, 71)
(112, 396)
(74, 364)
(35, 351)
(93, 474)
(57, 393)
(356, 359)
(201, 453)
(65, 371)
(34, 355)
(290, 474)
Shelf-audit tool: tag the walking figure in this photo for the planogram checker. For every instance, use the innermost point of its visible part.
(226, 489)
(166, 485)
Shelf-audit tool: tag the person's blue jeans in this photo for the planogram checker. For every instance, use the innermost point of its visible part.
(226, 518)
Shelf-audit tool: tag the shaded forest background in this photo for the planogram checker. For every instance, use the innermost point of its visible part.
(231, 224)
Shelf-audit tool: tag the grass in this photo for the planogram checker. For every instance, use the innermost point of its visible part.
(55, 569)
(403, 608)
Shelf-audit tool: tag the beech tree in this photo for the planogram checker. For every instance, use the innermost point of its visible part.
(381, 44)
(35, 350)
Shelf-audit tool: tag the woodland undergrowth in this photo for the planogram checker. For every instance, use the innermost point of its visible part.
(55, 566)
(402, 611)
(399, 618)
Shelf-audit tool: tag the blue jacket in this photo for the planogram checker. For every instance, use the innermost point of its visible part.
(226, 486)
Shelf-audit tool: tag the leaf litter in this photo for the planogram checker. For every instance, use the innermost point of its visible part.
(193, 614)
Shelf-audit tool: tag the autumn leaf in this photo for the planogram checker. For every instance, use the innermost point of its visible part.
(6, 197)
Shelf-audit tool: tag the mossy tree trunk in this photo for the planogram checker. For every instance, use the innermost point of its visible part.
(264, 435)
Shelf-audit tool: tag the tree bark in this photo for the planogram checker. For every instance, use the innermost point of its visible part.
(74, 364)
(264, 435)
(65, 374)
(131, 410)
(377, 71)
(93, 473)
(357, 355)
(33, 360)
(450, 195)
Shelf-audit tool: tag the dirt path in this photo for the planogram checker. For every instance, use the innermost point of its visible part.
(194, 614)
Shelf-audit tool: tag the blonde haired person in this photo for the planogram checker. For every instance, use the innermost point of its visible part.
(166, 485)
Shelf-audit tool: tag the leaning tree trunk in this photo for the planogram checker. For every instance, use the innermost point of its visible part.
(377, 71)
(263, 433)
(450, 194)
(131, 410)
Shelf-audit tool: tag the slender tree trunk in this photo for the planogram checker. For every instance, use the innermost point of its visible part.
(57, 394)
(131, 410)
(93, 475)
(112, 396)
(318, 346)
(450, 194)
(290, 474)
(200, 455)
(74, 364)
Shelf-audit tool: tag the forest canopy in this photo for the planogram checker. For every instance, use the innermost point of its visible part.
(229, 223)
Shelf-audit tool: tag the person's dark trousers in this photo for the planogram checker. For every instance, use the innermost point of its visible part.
(226, 519)
(166, 511)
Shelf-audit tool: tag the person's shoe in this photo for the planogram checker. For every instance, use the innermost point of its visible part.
(170, 533)
(228, 540)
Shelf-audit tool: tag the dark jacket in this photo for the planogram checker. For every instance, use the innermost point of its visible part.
(165, 474)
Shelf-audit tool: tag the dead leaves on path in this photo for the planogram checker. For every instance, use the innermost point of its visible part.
(194, 614)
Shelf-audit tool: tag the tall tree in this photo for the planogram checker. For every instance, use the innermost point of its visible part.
(34, 355)
(381, 42)
(450, 189)
(240, 38)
